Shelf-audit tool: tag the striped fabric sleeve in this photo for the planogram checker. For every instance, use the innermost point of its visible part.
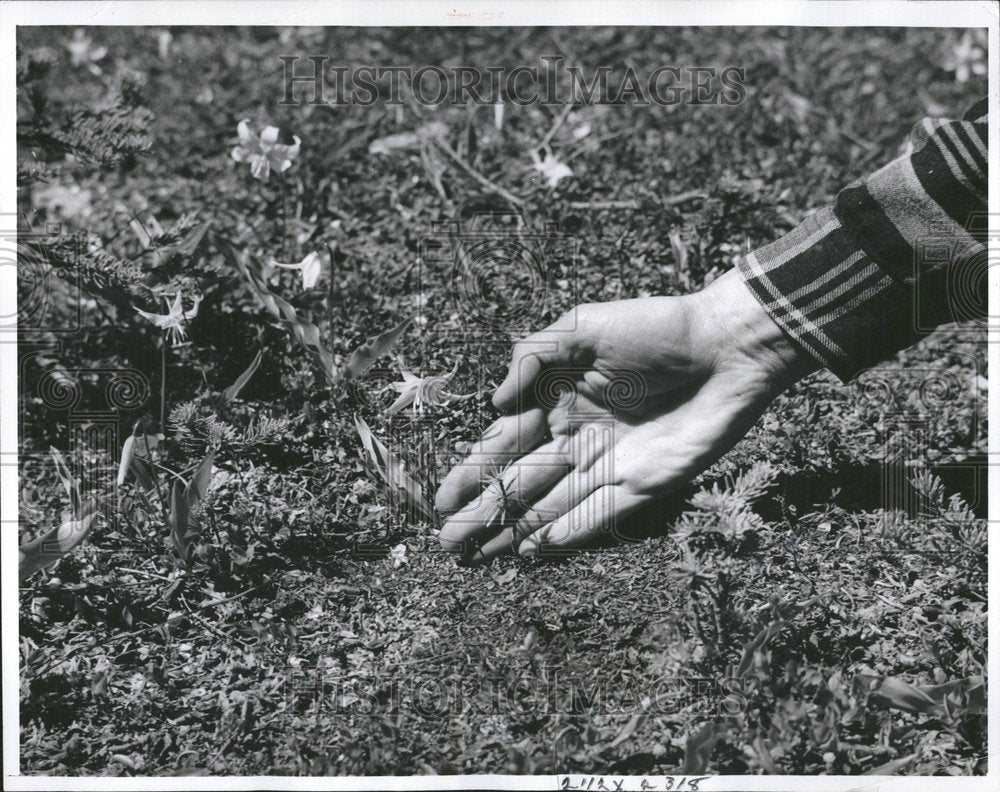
(897, 254)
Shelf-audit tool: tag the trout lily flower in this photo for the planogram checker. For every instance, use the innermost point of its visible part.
(398, 556)
(173, 320)
(309, 268)
(551, 168)
(82, 52)
(264, 153)
(968, 58)
(418, 391)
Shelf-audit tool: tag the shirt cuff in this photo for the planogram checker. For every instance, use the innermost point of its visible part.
(831, 299)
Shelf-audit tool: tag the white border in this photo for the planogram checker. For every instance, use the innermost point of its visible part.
(817, 13)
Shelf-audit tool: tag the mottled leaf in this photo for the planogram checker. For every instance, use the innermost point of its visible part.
(305, 331)
(699, 747)
(177, 520)
(198, 486)
(233, 390)
(364, 357)
(69, 482)
(893, 767)
(56, 543)
(390, 469)
(128, 452)
(893, 693)
(189, 244)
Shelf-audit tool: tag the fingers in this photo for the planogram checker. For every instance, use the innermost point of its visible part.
(507, 541)
(572, 488)
(530, 355)
(507, 439)
(503, 501)
(595, 515)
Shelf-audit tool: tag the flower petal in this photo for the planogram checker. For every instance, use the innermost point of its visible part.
(269, 136)
(312, 266)
(405, 399)
(243, 131)
(260, 168)
(160, 320)
(193, 311)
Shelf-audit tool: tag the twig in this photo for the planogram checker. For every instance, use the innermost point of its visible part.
(673, 200)
(683, 197)
(216, 630)
(592, 144)
(865, 144)
(557, 125)
(604, 205)
(489, 185)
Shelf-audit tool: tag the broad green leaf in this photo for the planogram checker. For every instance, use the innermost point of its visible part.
(391, 470)
(305, 331)
(189, 244)
(896, 693)
(178, 520)
(143, 474)
(750, 647)
(636, 720)
(56, 543)
(967, 693)
(128, 452)
(69, 482)
(894, 767)
(137, 448)
(364, 356)
(233, 390)
(699, 747)
(183, 499)
(764, 755)
(199, 483)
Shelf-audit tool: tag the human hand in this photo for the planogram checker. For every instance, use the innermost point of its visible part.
(611, 407)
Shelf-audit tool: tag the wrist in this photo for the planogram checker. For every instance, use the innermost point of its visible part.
(745, 335)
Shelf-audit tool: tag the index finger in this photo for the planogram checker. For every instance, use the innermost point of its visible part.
(530, 355)
(507, 439)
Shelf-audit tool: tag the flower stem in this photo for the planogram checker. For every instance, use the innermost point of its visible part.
(163, 384)
(284, 218)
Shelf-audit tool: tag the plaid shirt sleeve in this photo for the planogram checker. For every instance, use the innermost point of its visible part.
(897, 254)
